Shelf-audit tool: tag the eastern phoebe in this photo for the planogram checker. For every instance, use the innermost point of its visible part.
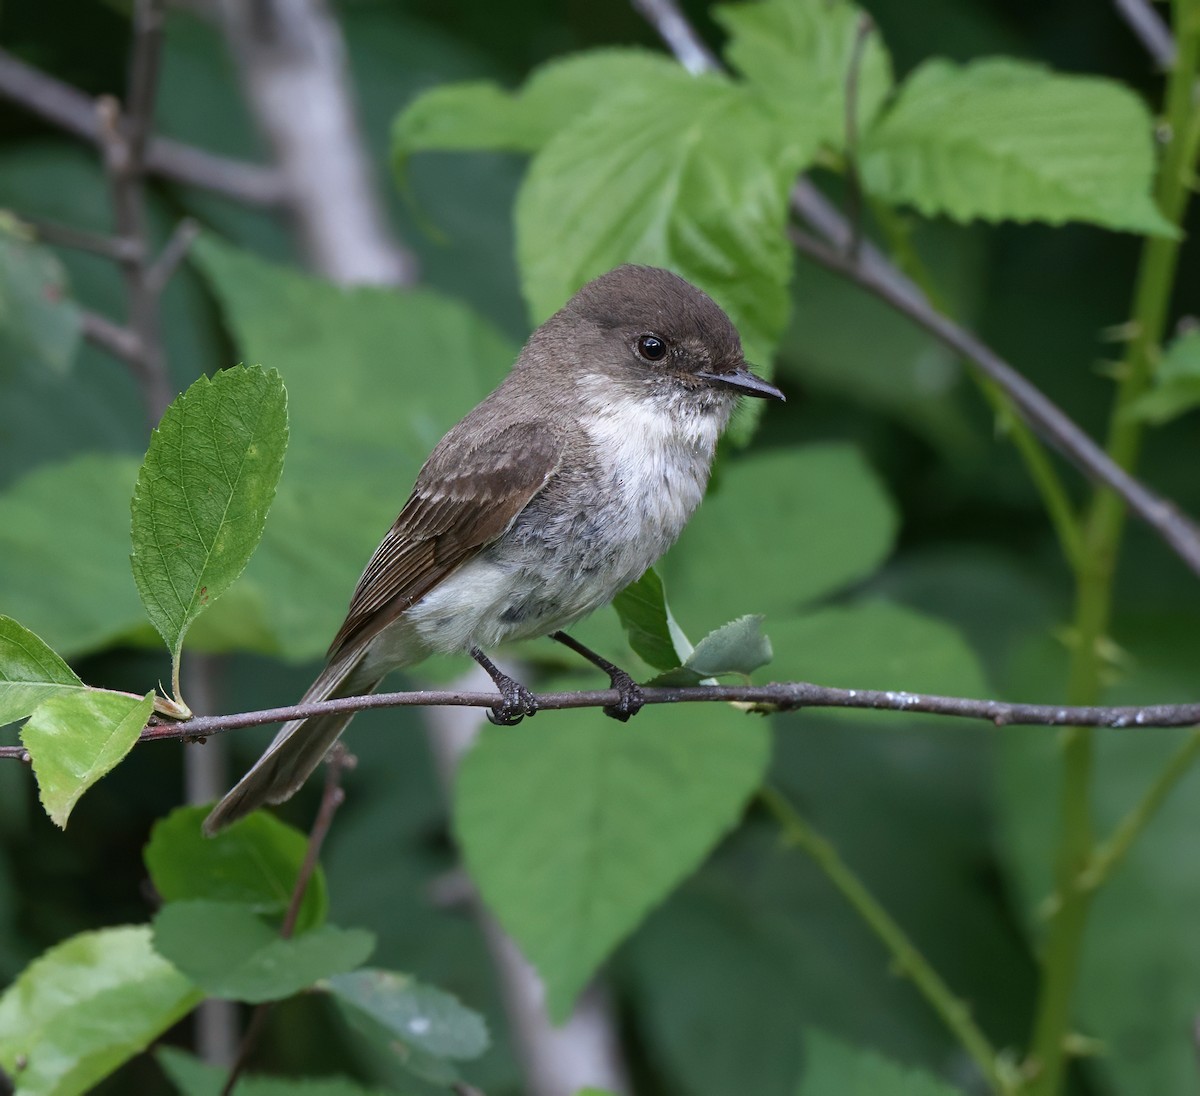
(560, 489)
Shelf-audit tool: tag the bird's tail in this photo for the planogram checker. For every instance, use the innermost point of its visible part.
(298, 748)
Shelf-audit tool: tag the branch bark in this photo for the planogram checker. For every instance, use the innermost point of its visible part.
(293, 67)
(73, 112)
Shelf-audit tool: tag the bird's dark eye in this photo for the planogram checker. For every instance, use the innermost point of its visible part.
(652, 348)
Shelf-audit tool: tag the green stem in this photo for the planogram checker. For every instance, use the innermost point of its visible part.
(1108, 854)
(955, 1014)
(1097, 563)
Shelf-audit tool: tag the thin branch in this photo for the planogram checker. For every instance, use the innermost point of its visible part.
(680, 36)
(72, 111)
(118, 340)
(1051, 424)
(791, 696)
(117, 248)
(338, 763)
(1150, 28)
(909, 961)
(172, 254)
(874, 272)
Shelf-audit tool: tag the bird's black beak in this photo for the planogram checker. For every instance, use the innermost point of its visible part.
(744, 382)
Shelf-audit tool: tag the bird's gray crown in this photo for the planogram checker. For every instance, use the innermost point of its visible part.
(648, 299)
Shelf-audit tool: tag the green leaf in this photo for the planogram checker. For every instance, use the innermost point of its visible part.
(798, 55)
(482, 115)
(876, 645)
(835, 1068)
(254, 862)
(355, 447)
(84, 1007)
(37, 318)
(29, 672)
(417, 1015)
(575, 830)
(75, 738)
(647, 620)
(193, 1077)
(231, 952)
(783, 527)
(45, 519)
(1176, 383)
(1000, 139)
(687, 173)
(738, 647)
(203, 493)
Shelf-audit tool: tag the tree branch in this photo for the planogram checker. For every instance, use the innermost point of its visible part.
(761, 699)
(1051, 424)
(1150, 29)
(72, 111)
(874, 272)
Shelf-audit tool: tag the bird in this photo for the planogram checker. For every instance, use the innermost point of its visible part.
(559, 489)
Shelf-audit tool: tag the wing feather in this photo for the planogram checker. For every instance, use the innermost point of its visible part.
(466, 497)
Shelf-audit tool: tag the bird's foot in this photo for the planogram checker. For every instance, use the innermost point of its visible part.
(516, 702)
(630, 698)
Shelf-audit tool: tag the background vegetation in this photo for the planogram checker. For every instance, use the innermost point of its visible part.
(883, 521)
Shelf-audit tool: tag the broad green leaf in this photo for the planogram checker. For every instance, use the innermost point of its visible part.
(1000, 139)
(203, 493)
(798, 55)
(409, 365)
(71, 521)
(416, 1015)
(29, 672)
(75, 738)
(835, 1068)
(875, 645)
(781, 528)
(37, 318)
(254, 862)
(575, 829)
(482, 115)
(229, 951)
(738, 647)
(192, 1077)
(646, 617)
(84, 1007)
(1176, 383)
(687, 173)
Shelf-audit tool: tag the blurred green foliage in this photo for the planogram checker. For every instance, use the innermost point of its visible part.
(879, 520)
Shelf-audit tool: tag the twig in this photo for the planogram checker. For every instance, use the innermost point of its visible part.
(117, 248)
(1051, 424)
(118, 340)
(854, 194)
(172, 254)
(75, 113)
(874, 272)
(791, 696)
(332, 797)
(954, 1012)
(680, 36)
(1150, 29)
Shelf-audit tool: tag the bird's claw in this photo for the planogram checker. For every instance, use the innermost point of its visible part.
(516, 702)
(630, 699)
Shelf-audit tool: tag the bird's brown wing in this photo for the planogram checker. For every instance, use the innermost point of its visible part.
(465, 498)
